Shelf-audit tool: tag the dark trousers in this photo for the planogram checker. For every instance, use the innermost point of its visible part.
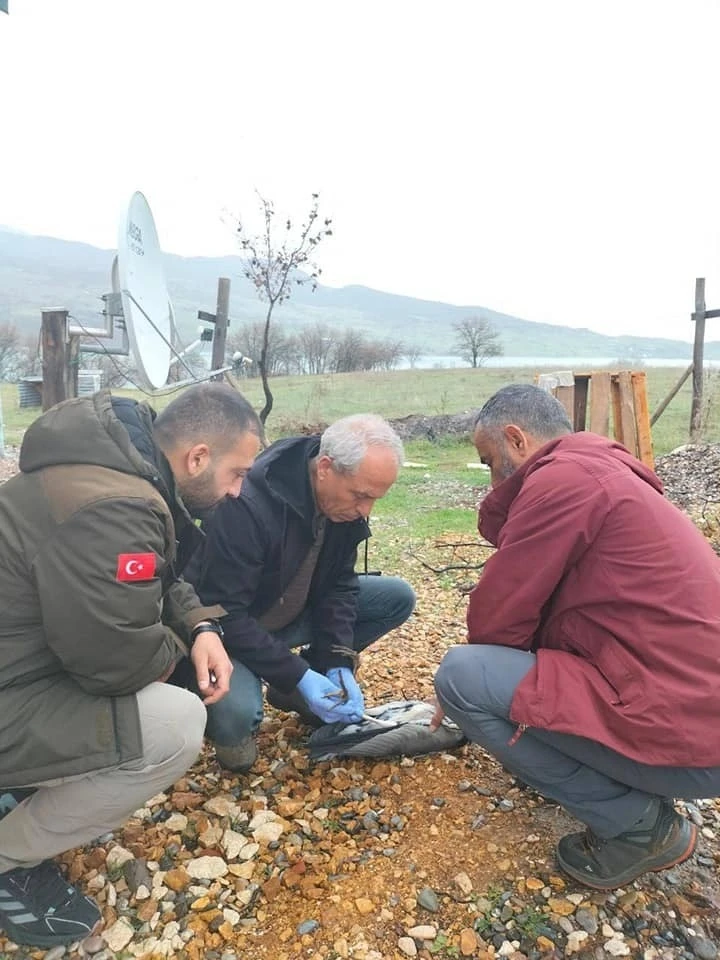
(384, 603)
(475, 685)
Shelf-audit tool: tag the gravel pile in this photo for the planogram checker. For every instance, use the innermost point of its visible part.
(691, 475)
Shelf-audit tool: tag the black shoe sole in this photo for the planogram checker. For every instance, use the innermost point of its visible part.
(20, 936)
(651, 865)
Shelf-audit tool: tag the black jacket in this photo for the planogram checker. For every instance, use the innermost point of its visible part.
(254, 546)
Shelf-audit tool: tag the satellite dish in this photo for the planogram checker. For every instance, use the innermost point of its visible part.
(149, 317)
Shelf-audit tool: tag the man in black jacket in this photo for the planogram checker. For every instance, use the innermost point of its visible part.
(281, 560)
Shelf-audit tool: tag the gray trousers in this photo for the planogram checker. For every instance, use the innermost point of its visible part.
(607, 791)
(70, 812)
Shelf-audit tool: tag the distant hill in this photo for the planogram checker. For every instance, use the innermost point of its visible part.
(43, 273)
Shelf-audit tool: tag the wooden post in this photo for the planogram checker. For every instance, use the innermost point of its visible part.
(221, 324)
(697, 373)
(54, 354)
(72, 367)
(671, 395)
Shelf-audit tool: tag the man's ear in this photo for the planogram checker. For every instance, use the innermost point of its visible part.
(197, 459)
(323, 466)
(517, 438)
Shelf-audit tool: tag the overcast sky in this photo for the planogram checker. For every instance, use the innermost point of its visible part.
(553, 159)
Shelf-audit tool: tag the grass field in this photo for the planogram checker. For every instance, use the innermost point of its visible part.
(439, 497)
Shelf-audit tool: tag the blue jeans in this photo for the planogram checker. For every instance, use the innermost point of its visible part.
(607, 791)
(384, 603)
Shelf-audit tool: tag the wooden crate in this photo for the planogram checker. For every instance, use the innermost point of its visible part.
(594, 396)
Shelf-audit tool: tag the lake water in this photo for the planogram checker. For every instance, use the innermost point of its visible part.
(554, 363)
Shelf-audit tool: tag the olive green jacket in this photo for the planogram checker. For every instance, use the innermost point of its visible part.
(78, 639)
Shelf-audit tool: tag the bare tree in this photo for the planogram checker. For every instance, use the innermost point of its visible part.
(412, 355)
(476, 339)
(9, 350)
(315, 343)
(273, 266)
(250, 338)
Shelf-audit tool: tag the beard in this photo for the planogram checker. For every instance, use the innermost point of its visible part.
(199, 494)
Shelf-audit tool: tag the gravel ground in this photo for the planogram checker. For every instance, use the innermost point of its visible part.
(444, 856)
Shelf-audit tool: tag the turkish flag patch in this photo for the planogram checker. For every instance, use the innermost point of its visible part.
(135, 566)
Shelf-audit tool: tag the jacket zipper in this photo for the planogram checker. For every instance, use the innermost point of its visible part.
(519, 731)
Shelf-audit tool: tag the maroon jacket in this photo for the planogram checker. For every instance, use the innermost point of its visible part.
(616, 592)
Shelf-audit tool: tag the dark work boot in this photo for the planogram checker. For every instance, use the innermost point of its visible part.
(658, 840)
(238, 757)
(293, 703)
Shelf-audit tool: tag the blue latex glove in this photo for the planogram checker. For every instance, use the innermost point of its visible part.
(343, 677)
(325, 698)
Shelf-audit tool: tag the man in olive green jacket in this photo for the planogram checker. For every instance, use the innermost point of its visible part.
(94, 532)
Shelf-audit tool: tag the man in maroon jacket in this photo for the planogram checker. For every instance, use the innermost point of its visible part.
(593, 666)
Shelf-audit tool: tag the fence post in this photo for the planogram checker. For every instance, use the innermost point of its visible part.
(221, 324)
(697, 372)
(55, 359)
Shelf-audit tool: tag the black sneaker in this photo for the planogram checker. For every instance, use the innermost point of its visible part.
(660, 839)
(38, 907)
(9, 799)
(293, 703)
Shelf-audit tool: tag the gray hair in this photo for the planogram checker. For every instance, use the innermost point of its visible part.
(529, 407)
(347, 440)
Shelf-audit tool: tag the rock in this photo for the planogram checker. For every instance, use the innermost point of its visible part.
(428, 900)
(561, 906)
(586, 919)
(464, 884)
(268, 832)
(617, 948)
(93, 945)
(117, 856)
(206, 868)
(506, 806)
(307, 926)
(119, 935)
(55, 953)
(468, 942)
(232, 843)
(702, 948)
(407, 946)
(177, 879)
(364, 906)
(426, 931)
(136, 875)
(176, 823)
(575, 941)
(224, 807)
(248, 851)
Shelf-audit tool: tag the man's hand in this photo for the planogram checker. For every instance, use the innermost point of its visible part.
(212, 666)
(438, 717)
(325, 698)
(343, 677)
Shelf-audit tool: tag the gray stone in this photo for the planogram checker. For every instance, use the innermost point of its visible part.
(307, 926)
(587, 920)
(428, 900)
(55, 953)
(93, 945)
(137, 875)
(702, 948)
(506, 806)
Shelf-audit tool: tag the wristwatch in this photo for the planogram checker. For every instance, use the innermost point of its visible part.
(207, 626)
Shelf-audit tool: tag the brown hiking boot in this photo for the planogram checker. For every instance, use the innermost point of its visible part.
(660, 839)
